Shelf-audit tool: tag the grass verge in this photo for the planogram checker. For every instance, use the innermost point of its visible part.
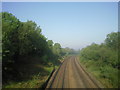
(34, 74)
(107, 75)
(36, 81)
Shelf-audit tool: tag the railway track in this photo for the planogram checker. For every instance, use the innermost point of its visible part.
(72, 75)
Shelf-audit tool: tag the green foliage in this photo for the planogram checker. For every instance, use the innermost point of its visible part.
(24, 39)
(106, 74)
(112, 40)
(10, 26)
(36, 80)
(22, 42)
(104, 58)
(57, 49)
(97, 52)
(0, 35)
(30, 39)
(50, 44)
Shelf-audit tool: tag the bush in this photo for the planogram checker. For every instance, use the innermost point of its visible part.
(104, 58)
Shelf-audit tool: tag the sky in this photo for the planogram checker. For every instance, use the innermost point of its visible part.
(72, 24)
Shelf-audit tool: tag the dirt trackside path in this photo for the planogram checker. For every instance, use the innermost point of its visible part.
(72, 75)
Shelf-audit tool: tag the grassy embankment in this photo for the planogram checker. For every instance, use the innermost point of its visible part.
(107, 75)
(34, 74)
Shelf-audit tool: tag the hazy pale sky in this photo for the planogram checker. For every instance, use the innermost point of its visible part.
(72, 24)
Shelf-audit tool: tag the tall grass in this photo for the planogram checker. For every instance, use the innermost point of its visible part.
(106, 74)
(33, 74)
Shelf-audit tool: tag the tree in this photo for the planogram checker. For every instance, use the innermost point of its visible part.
(50, 44)
(57, 49)
(112, 40)
(24, 39)
(10, 28)
(31, 39)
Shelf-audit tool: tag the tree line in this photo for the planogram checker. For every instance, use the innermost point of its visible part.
(22, 39)
(105, 57)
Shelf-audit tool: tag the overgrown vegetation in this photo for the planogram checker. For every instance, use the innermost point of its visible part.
(26, 53)
(28, 57)
(102, 60)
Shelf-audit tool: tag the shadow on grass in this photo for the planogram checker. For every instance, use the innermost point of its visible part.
(44, 85)
(26, 69)
(30, 70)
